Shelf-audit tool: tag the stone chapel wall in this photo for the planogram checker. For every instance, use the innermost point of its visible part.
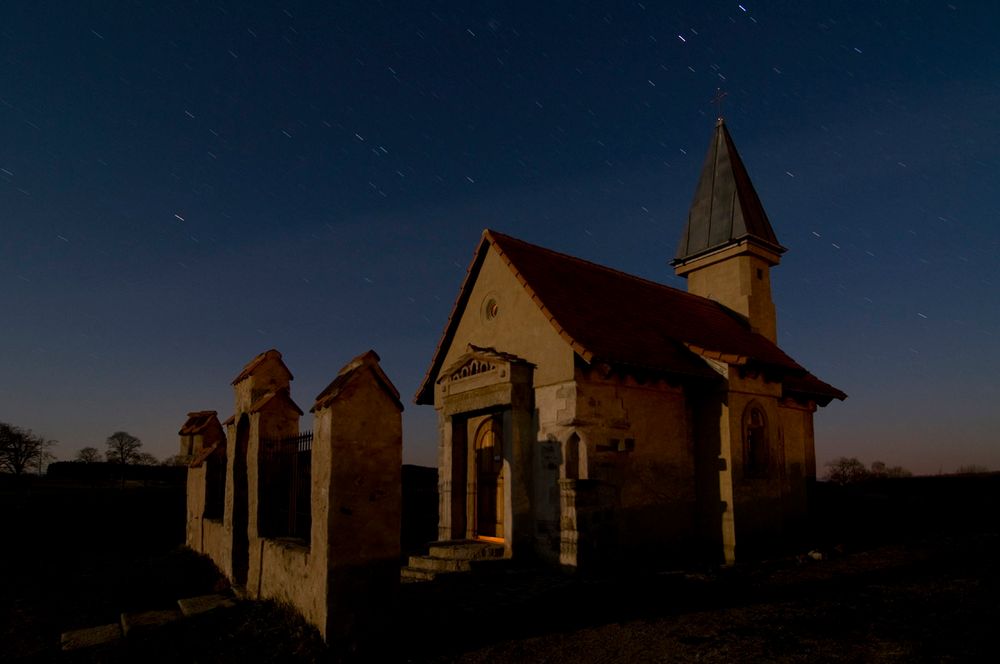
(761, 495)
(635, 496)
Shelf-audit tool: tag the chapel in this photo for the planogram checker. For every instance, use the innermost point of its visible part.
(589, 416)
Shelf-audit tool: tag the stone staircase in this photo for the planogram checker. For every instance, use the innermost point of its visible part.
(449, 557)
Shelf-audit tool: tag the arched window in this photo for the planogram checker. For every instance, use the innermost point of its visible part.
(575, 459)
(756, 441)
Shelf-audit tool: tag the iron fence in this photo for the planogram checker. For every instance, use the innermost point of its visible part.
(286, 487)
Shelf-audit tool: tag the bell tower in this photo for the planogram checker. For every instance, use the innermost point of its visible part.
(728, 246)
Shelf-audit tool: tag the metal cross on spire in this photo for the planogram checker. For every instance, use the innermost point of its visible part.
(717, 100)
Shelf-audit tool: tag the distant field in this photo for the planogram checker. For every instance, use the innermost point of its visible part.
(912, 576)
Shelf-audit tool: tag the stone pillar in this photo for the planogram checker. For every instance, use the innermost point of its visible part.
(587, 531)
(568, 534)
(357, 460)
(445, 476)
(727, 503)
(452, 478)
(194, 537)
(521, 463)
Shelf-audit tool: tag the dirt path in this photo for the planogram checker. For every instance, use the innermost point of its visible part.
(927, 601)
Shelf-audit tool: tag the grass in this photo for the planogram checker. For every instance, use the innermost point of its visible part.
(912, 577)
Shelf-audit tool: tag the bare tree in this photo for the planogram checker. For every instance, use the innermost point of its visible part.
(44, 457)
(972, 469)
(89, 455)
(845, 470)
(123, 449)
(147, 459)
(21, 449)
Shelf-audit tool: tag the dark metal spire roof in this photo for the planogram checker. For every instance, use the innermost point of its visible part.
(725, 209)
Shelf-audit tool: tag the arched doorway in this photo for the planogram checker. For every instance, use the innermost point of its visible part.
(489, 502)
(241, 520)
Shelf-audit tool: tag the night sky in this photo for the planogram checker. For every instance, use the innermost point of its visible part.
(185, 185)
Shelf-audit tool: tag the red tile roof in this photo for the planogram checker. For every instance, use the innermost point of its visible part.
(248, 370)
(366, 361)
(283, 395)
(204, 455)
(611, 317)
(197, 422)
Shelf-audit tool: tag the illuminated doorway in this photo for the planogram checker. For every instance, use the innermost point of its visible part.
(489, 502)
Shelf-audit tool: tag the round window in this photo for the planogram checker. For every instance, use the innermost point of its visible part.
(492, 309)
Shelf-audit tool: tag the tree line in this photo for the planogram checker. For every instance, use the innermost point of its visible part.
(848, 470)
(124, 449)
(22, 450)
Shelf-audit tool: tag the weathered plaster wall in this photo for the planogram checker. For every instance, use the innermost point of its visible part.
(556, 408)
(203, 535)
(760, 501)
(800, 460)
(713, 473)
(735, 283)
(275, 421)
(631, 492)
(357, 457)
(195, 506)
(519, 328)
(215, 541)
(288, 572)
(640, 441)
(226, 564)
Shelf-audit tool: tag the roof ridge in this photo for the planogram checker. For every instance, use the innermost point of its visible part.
(705, 301)
(691, 297)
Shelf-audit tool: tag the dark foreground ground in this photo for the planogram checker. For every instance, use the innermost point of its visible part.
(909, 574)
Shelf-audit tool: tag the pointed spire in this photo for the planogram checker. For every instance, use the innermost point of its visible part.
(725, 209)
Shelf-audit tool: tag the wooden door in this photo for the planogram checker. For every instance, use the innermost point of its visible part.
(489, 480)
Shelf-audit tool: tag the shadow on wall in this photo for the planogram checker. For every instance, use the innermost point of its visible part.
(419, 509)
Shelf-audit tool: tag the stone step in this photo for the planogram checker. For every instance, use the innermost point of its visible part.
(192, 606)
(142, 621)
(414, 575)
(91, 637)
(435, 564)
(465, 549)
